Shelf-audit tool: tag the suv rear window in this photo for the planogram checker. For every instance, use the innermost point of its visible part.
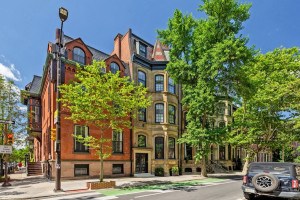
(271, 169)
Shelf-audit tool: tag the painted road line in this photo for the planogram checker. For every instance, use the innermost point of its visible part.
(106, 198)
(156, 193)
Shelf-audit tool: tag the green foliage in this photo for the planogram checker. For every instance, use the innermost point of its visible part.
(159, 171)
(104, 100)
(269, 115)
(18, 155)
(206, 57)
(175, 170)
(10, 109)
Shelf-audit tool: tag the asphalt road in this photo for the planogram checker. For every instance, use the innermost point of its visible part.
(227, 189)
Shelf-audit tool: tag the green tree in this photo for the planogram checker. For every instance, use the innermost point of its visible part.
(10, 109)
(267, 118)
(206, 57)
(104, 100)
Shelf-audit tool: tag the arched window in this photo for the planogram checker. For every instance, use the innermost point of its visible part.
(172, 114)
(78, 55)
(114, 67)
(159, 113)
(159, 148)
(141, 141)
(142, 78)
(171, 148)
(171, 86)
(159, 83)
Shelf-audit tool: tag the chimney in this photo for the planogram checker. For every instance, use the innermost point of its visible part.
(117, 45)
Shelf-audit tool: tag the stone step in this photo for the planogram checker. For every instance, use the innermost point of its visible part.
(143, 175)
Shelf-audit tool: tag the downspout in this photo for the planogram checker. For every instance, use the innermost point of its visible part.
(131, 149)
(179, 125)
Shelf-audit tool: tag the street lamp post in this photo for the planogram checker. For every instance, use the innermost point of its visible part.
(63, 15)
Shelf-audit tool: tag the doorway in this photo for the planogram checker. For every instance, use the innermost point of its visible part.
(141, 163)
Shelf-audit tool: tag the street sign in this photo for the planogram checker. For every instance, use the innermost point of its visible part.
(3, 121)
(6, 149)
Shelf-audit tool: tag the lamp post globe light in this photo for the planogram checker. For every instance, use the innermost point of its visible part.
(63, 15)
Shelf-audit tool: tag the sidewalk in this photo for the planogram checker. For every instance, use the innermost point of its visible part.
(37, 187)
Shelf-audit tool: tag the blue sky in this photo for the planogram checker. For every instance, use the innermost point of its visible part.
(27, 26)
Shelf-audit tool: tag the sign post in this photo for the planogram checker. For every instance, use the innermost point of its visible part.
(6, 150)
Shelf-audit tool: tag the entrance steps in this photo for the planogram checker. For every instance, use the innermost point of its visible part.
(34, 169)
(143, 175)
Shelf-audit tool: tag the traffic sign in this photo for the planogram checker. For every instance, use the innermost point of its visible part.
(6, 149)
(3, 121)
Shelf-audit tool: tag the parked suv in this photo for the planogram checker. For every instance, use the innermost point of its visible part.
(272, 179)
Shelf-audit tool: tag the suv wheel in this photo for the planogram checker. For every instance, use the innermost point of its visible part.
(265, 182)
(249, 196)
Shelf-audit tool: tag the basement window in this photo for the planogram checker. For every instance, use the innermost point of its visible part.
(81, 169)
(117, 169)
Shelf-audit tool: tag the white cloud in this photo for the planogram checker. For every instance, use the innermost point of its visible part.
(10, 72)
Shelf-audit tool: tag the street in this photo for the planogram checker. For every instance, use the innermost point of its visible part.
(227, 189)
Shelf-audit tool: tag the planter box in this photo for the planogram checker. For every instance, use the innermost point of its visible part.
(100, 185)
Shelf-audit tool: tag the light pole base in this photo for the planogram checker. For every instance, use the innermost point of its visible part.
(60, 190)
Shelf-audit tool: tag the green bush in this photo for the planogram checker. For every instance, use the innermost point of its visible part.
(175, 170)
(159, 171)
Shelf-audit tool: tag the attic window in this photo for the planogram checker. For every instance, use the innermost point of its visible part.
(143, 50)
(114, 67)
(79, 55)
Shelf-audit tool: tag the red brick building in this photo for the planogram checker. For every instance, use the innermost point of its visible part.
(76, 159)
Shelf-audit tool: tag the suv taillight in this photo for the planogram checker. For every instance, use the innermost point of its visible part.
(245, 179)
(295, 184)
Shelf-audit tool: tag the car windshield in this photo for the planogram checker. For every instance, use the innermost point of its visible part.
(271, 169)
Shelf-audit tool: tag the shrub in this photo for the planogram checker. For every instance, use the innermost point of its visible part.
(159, 171)
(175, 170)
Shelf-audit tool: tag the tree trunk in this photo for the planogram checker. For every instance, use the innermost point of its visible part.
(203, 168)
(246, 165)
(282, 155)
(101, 158)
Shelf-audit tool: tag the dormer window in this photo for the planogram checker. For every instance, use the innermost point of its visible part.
(79, 55)
(143, 50)
(114, 67)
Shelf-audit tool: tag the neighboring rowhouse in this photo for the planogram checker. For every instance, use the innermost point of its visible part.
(76, 159)
(156, 128)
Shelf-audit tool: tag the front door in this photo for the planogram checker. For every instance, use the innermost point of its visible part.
(141, 163)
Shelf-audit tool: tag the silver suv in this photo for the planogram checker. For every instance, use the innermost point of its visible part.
(272, 179)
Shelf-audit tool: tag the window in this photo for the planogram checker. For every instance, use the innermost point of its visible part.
(229, 110)
(141, 141)
(229, 152)
(37, 114)
(142, 114)
(159, 148)
(142, 78)
(221, 124)
(143, 50)
(83, 131)
(79, 55)
(171, 148)
(171, 114)
(188, 154)
(117, 141)
(117, 169)
(159, 113)
(81, 170)
(114, 67)
(171, 86)
(159, 83)
(221, 152)
(221, 108)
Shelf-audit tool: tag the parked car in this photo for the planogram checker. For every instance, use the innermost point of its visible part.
(272, 179)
